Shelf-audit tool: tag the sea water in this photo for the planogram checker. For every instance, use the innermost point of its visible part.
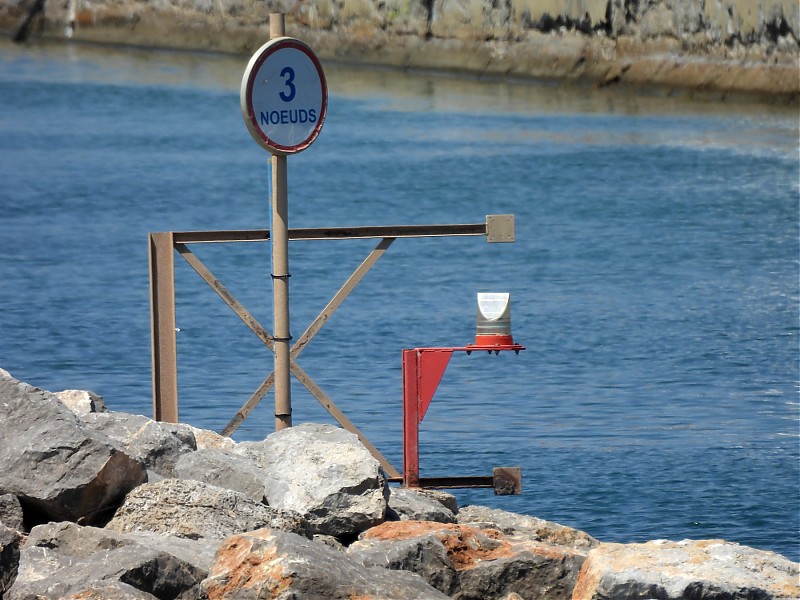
(653, 279)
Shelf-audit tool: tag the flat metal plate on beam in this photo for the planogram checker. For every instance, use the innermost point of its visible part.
(507, 481)
(499, 228)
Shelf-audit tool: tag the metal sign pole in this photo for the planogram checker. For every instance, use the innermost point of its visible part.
(280, 272)
(284, 100)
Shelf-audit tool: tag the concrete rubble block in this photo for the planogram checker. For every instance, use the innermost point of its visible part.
(411, 505)
(486, 562)
(9, 557)
(696, 569)
(55, 465)
(11, 512)
(524, 526)
(60, 560)
(324, 473)
(225, 470)
(158, 444)
(82, 402)
(276, 564)
(196, 510)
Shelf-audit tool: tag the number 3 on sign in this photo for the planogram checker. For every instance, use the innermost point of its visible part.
(288, 73)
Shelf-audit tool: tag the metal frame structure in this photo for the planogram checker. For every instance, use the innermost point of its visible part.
(162, 246)
(423, 369)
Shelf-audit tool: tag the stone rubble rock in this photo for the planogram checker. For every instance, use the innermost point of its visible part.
(277, 564)
(196, 510)
(525, 526)
(62, 559)
(411, 505)
(53, 463)
(223, 469)
(211, 440)
(171, 534)
(472, 561)
(9, 557)
(324, 473)
(11, 512)
(700, 570)
(424, 554)
(82, 402)
(158, 444)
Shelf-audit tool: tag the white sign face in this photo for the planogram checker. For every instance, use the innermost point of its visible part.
(284, 96)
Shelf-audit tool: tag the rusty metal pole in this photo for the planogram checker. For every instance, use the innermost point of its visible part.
(280, 273)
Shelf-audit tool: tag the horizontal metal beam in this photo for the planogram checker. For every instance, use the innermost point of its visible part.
(332, 233)
(506, 481)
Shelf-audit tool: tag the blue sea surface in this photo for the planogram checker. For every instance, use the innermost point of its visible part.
(654, 276)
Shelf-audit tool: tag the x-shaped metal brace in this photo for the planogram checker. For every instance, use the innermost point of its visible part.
(252, 323)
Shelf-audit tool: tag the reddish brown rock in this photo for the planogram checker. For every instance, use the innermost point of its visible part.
(481, 561)
(276, 564)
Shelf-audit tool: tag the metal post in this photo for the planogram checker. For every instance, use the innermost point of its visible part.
(162, 316)
(410, 418)
(280, 273)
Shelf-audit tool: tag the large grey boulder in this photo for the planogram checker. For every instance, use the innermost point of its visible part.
(696, 569)
(63, 559)
(324, 473)
(277, 564)
(196, 510)
(223, 469)
(156, 443)
(53, 463)
(474, 562)
(9, 557)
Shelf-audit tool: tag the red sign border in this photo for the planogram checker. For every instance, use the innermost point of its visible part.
(248, 113)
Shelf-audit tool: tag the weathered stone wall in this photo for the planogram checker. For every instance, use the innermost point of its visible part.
(720, 46)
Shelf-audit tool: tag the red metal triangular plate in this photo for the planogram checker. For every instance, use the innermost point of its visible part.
(432, 365)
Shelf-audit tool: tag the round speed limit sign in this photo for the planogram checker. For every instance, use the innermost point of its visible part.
(284, 96)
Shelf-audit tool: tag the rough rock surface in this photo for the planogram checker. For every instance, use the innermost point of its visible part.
(526, 527)
(276, 564)
(472, 562)
(225, 470)
(700, 570)
(61, 559)
(82, 402)
(11, 512)
(159, 445)
(9, 557)
(110, 591)
(410, 505)
(324, 473)
(52, 462)
(196, 510)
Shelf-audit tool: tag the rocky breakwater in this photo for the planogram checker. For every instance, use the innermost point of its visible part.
(101, 504)
(720, 48)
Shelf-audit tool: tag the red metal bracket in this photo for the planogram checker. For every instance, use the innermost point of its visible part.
(423, 369)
